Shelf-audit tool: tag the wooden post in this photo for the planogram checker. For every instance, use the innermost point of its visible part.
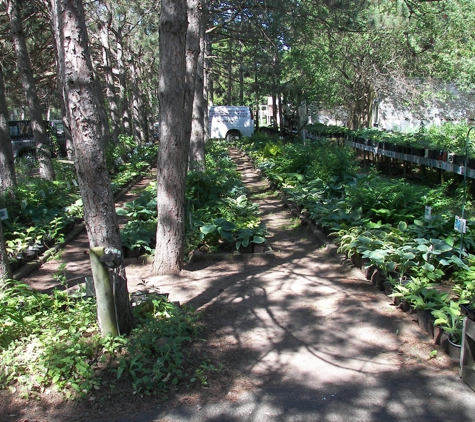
(106, 314)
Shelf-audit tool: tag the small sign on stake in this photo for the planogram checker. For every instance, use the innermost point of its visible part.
(428, 213)
(3, 214)
(460, 224)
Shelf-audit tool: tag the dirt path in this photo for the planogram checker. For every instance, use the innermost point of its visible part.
(300, 336)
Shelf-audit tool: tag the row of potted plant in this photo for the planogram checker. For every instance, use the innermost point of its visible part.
(376, 221)
(447, 142)
(41, 213)
(221, 217)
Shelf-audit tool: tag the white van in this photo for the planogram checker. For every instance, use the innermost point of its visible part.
(230, 122)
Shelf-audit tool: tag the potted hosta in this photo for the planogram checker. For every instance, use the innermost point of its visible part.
(137, 237)
(248, 238)
(218, 234)
(449, 318)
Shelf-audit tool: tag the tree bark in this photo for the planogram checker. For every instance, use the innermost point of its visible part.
(192, 54)
(171, 172)
(5, 270)
(7, 164)
(138, 105)
(43, 152)
(109, 80)
(55, 29)
(122, 75)
(198, 127)
(87, 134)
(7, 174)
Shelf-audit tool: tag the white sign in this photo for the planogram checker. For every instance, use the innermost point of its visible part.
(3, 214)
(460, 224)
(428, 213)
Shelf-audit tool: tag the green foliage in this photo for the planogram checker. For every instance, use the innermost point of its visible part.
(154, 354)
(137, 234)
(219, 229)
(217, 203)
(42, 212)
(377, 218)
(144, 208)
(53, 341)
(450, 319)
(246, 236)
(385, 199)
(47, 340)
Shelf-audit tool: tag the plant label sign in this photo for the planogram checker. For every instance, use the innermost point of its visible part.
(3, 214)
(460, 224)
(428, 213)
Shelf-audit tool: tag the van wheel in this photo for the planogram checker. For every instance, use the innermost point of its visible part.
(231, 136)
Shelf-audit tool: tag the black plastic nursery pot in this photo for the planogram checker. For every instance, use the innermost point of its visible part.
(468, 311)
(423, 319)
(388, 288)
(454, 349)
(378, 279)
(420, 152)
(467, 357)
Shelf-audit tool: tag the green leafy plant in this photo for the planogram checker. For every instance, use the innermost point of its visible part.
(144, 208)
(53, 341)
(220, 229)
(246, 236)
(137, 234)
(449, 318)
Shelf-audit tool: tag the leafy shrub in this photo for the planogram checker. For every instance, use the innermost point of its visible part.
(54, 341)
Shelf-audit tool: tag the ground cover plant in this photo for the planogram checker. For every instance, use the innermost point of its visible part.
(52, 341)
(220, 215)
(378, 219)
(40, 212)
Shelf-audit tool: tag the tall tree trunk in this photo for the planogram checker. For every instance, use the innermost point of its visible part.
(43, 152)
(137, 103)
(122, 74)
(109, 79)
(241, 75)
(274, 106)
(7, 164)
(192, 53)
(281, 114)
(5, 270)
(198, 127)
(55, 27)
(209, 76)
(171, 171)
(256, 88)
(7, 174)
(87, 133)
(229, 70)
(206, 79)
